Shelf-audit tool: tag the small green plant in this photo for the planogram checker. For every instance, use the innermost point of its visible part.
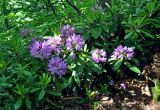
(156, 90)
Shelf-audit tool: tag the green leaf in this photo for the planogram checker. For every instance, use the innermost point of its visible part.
(97, 69)
(151, 6)
(41, 94)
(70, 59)
(117, 64)
(136, 61)
(70, 80)
(111, 60)
(77, 79)
(133, 68)
(96, 32)
(28, 103)
(56, 93)
(34, 90)
(147, 34)
(140, 12)
(129, 35)
(65, 82)
(87, 35)
(155, 24)
(105, 27)
(18, 104)
(27, 73)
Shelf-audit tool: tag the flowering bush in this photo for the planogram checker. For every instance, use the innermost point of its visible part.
(106, 42)
(68, 58)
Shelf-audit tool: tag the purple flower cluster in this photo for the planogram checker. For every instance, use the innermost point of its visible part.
(57, 66)
(99, 55)
(40, 49)
(44, 48)
(67, 30)
(122, 52)
(74, 42)
(55, 43)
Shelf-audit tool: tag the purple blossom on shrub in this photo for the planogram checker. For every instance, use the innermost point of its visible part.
(122, 52)
(25, 32)
(40, 49)
(57, 66)
(55, 43)
(74, 42)
(67, 30)
(123, 85)
(99, 55)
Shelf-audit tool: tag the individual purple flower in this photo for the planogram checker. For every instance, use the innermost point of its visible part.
(74, 42)
(40, 49)
(99, 55)
(67, 30)
(57, 66)
(25, 32)
(55, 43)
(122, 52)
(123, 85)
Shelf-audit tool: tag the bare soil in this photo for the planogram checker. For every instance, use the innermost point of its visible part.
(137, 96)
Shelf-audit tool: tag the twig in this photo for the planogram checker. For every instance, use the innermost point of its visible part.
(51, 6)
(69, 98)
(74, 6)
(54, 104)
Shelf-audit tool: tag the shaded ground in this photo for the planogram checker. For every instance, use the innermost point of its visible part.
(109, 104)
(137, 96)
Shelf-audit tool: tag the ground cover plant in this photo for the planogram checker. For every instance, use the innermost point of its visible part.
(51, 50)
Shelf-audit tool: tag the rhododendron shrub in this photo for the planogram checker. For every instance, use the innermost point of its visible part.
(67, 58)
(70, 61)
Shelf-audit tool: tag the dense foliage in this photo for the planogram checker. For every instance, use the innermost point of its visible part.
(51, 49)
